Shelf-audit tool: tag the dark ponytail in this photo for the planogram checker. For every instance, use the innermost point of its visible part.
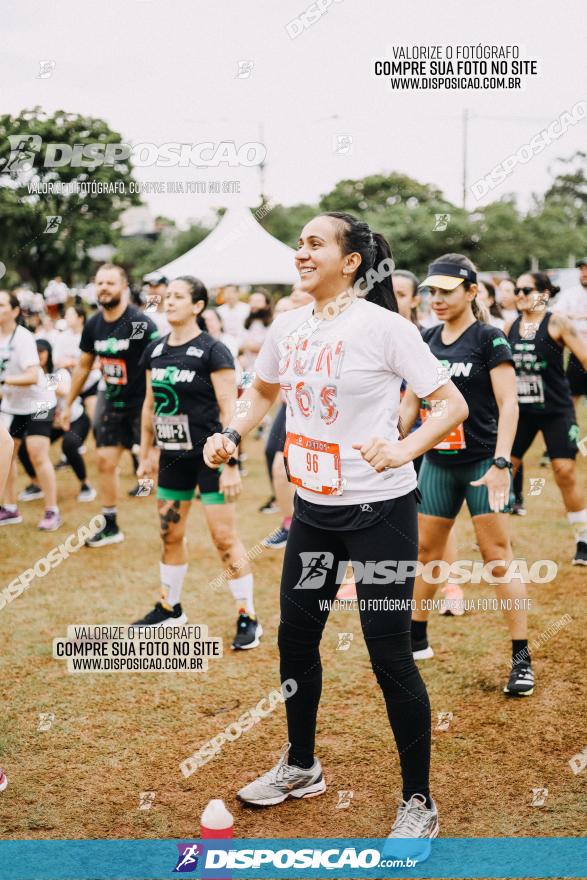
(355, 236)
(45, 345)
(543, 283)
(198, 291)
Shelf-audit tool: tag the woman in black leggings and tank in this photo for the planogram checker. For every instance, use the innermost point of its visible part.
(538, 339)
(340, 362)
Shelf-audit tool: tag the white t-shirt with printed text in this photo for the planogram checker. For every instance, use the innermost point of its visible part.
(341, 382)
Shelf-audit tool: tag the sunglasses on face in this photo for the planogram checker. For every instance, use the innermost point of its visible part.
(524, 290)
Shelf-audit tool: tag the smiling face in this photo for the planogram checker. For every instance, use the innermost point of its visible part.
(179, 308)
(324, 269)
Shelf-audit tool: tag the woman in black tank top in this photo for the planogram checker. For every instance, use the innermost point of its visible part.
(538, 339)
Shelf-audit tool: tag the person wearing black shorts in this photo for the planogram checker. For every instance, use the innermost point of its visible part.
(28, 407)
(191, 392)
(118, 335)
(538, 338)
(572, 303)
(340, 362)
(471, 463)
(72, 440)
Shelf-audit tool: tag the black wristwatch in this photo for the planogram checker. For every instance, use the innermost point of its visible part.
(232, 435)
(502, 463)
(232, 462)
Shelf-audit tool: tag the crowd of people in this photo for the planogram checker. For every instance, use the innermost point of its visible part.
(384, 405)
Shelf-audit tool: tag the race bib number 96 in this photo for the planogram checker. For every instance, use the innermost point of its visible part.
(313, 464)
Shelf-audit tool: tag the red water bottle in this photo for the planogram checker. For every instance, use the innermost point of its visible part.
(216, 822)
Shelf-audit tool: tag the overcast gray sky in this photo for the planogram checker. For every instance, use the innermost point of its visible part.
(166, 70)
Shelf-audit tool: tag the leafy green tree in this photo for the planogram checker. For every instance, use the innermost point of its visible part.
(140, 256)
(286, 223)
(87, 219)
(501, 238)
(415, 217)
(556, 223)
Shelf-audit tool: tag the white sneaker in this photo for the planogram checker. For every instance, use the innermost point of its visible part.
(284, 781)
(87, 494)
(414, 822)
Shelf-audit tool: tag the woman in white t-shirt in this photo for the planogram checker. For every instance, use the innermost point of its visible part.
(73, 438)
(340, 362)
(66, 354)
(28, 407)
(256, 328)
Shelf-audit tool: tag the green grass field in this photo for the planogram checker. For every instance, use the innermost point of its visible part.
(116, 735)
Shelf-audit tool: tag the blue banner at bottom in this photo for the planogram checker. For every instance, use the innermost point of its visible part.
(293, 858)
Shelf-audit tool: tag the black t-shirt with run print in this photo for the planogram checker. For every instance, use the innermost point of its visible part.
(120, 346)
(469, 360)
(186, 409)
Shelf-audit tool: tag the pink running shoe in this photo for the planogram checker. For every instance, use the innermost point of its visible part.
(51, 521)
(9, 517)
(453, 603)
(3, 779)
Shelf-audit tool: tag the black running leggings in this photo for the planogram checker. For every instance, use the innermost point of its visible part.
(72, 440)
(275, 440)
(386, 633)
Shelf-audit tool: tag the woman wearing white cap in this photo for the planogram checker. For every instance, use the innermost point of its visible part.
(473, 462)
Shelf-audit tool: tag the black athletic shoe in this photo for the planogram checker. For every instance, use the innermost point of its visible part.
(163, 614)
(521, 682)
(62, 464)
(31, 493)
(135, 491)
(109, 535)
(580, 553)
(421, 650)
(248, 632)
(518, 509)
(270, 506)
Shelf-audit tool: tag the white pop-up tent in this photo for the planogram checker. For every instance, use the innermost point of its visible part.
(237, 251)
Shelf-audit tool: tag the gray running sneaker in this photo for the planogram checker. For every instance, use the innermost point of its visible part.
(283, 781)
(414, 821)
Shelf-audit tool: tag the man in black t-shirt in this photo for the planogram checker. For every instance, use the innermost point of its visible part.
(117, 336)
